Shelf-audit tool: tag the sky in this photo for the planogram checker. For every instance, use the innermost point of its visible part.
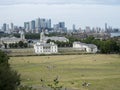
(82, 13)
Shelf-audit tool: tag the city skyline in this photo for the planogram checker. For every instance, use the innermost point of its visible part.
(93, 13)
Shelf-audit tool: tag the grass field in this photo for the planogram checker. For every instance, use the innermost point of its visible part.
(101, 71)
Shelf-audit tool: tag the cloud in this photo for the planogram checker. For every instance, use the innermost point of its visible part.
(103, 2)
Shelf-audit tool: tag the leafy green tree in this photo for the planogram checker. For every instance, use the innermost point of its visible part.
(21, 44)
(9, 79)
(48, 41)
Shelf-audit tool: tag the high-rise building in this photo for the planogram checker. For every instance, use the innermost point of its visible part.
(48, 23)
(74, 29)
(43, 23)
(60, 27)
(37, 25)
(11, 27)
(62, 24)
(4, 28)
(32, 26)
(106, 28)
(27, 26)
(87, 29)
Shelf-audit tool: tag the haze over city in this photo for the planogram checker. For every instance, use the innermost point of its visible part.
(81, 13)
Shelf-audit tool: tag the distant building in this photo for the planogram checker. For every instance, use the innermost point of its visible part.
(37, 25)
(11, 27)
(45, 48)
(27, 26)
(90, 48)
(55, 38)
(60, 27)
(4, 28)
(48, 22)
(32, 26)
(74, 29)
(9, 40)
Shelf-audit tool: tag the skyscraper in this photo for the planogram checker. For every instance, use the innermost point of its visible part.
(4, 28)
(27, 26)
(32, 26)
(62, 24)
(12, 27)
(74, 30)
(43, 23)
(48, 23)
(37, 25)
(106, 27)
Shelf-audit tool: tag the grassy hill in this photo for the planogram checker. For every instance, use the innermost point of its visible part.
(102, 72)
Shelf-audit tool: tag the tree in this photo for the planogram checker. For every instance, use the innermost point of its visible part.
(3, 58)
(21, 44)
(9, 79)
(48, 41)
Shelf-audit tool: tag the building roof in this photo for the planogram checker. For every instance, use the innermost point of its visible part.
(91, 45)
(10, 39)
(88, 45)
(79, 43)
(45, 44)
(55, 38)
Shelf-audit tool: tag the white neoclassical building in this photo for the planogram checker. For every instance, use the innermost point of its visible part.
(42, 47)
(90, 48)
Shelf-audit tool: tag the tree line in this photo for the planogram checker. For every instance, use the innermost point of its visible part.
(20, 44)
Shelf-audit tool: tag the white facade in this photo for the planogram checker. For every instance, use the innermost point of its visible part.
(90, 48)
(45, 48)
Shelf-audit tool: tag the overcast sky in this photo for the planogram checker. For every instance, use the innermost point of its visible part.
(79, 12)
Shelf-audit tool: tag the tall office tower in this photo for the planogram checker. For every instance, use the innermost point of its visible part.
(43, 23)
(4, 28)
(87, 29)
(27, 26)
(32, 26)
(62, 24)
(56, 27)
(48, 22)
(11, 27)
(37, 25)
(106, 28)
(74, 29)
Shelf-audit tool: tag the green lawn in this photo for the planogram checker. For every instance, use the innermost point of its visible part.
(101, 71)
